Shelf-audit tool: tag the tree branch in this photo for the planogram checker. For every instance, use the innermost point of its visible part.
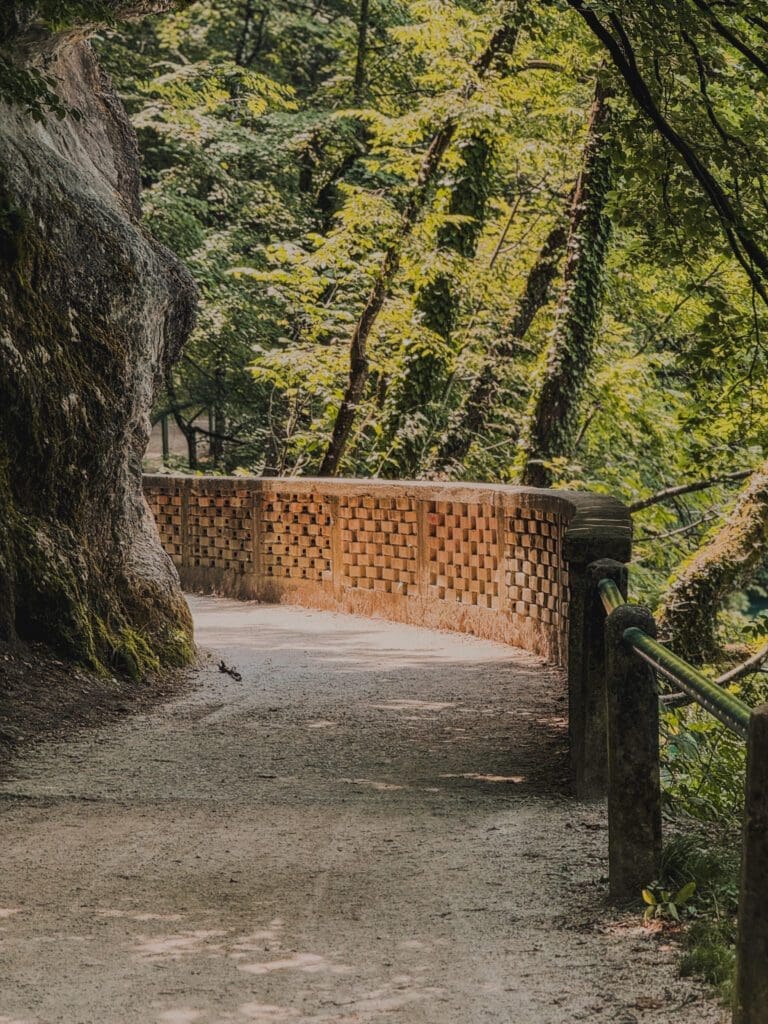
(744, 247)
(698, 485)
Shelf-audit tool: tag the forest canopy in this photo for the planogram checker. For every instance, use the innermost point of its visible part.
(518, 241)
(515, 241)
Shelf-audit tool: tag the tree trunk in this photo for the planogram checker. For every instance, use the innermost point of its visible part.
(415, 411)
(358, 84)
(472, 418)
(724, 562)
(553, 418)
(91, 313)
(501, 41)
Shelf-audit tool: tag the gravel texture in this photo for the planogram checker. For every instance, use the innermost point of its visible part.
(371, 826)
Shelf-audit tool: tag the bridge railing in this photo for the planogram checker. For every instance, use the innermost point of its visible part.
(504, 563)
(633, 658)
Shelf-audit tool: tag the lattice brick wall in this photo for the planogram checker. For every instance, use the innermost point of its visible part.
(220, 526)
(379, 543)
(536, 580)
(463, 547)
(165, 504)
(296, 536)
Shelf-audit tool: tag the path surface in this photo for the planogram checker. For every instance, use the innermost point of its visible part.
(370, 827)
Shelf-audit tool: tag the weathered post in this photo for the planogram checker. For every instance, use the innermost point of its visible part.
(634, 790)
(751, 1005)
(586, 675)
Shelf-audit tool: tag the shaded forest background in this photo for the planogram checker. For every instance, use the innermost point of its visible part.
(445, 240)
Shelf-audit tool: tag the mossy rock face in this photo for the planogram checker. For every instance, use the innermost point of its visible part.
(92, 311)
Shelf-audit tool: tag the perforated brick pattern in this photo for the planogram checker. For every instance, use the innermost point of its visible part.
(463, 553)
(165, 504)
(296, 536)
(536, 581)
(379, 543)
(221, 528)
(487, 561)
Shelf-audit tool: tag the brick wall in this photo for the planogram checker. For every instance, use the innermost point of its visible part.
(489, 561)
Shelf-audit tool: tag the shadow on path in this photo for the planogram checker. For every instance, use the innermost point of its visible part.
(370, 826)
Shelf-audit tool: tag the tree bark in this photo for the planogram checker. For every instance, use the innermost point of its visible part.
(726, 560)
(502, 39)
(479, 404)
(92, 311)
(553, 419)
(358, 83)
(414, 411)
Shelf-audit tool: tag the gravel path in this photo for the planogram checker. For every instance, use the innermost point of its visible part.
(370, 827)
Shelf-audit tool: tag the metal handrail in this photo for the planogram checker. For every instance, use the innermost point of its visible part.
(727, 708)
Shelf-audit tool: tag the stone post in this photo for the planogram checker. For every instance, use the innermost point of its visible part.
(634, 790)
(751, 1002)
(586, 676)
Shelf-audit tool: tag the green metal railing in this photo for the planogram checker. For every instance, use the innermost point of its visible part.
(729, 710)
(620, 699)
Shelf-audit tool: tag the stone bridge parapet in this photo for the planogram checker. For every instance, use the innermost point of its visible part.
(504, 563)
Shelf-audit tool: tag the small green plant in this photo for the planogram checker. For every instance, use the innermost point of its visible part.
(662, 904)
(712, 858)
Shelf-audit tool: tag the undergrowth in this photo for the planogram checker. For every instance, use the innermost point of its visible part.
(702, 770)
(711, 860)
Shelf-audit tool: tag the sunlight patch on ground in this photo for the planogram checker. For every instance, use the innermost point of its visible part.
(8, 912)
(405, 704)
(174, 947)
(375, 784)
(138, 916)
(263, 1013)
(181, 1015)
(307, 963)
(479, 777)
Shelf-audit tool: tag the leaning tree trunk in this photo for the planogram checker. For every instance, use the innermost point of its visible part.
(91, 312)
(552, 422)
(725, 561)
(470, 421)
(414, 409)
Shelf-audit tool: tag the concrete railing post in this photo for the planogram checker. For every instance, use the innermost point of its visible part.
(751, 1003)
(586, 677)
(634, 790)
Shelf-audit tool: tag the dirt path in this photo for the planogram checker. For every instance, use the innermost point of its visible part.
(369, 827)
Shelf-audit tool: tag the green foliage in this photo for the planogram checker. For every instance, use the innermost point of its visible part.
(281, 188)
(710, 954)
(30, 88)
(703, 765)
(664, 903)
(712, 859)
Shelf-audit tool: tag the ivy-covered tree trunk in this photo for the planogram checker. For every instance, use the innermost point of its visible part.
(726, 560)
(470, 421)
(501, 42)
(553, 418)
(91, 312)
(414, 407)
